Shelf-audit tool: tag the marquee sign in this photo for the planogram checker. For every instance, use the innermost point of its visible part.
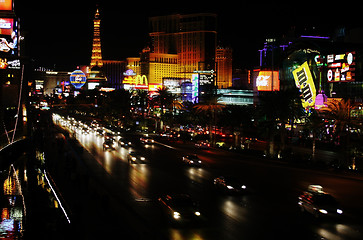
(341, 67)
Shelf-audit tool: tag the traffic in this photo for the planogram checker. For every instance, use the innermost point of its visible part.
(186, 191)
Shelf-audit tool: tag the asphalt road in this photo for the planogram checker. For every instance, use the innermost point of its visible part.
(269, 209)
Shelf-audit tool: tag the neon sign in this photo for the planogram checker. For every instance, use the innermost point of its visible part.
(140, 82)
(341, 67)
(195, 88)
(78, 79)
(129, 72)
(304, 81)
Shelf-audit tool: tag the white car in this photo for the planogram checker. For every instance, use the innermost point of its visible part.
(192, 160)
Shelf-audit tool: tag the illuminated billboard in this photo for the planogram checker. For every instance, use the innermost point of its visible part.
(195, 88)
(78, 79)
(6, 5)
(8, 35)
(133, 81)
(11, 64)
(304, 81)
(268, 81)
(341, 67)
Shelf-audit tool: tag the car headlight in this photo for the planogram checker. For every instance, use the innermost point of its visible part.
(339, 211)
(243, 187)
(323, 211)
(106, 146)
(133, 158)
(230, 187)
(197, 213)
(199, 161)
(176, 215)
(191, 161)
(142, 158)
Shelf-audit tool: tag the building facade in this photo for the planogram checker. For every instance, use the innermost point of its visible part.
(157, 66)
(113, 71)
(133, 63)
(224, 67)
(192, 37)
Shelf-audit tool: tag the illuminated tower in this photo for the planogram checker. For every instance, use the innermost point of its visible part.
(96, 58)
(193, 37)
(224, 67)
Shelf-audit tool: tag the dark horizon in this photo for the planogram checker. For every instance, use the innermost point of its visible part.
(62, 35)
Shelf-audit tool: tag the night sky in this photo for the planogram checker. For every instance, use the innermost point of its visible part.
(60, 32)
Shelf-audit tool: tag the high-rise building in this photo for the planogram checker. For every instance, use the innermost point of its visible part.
(113, 71)
(96, 58)
(133, 63)
(157, 66)
(192, 37)
(224, 67)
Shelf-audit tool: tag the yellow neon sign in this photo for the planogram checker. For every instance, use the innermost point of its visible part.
(304, 81)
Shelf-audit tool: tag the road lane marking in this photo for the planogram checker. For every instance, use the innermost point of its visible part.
(166, 145)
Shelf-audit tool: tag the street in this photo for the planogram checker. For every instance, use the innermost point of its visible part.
(268, 210)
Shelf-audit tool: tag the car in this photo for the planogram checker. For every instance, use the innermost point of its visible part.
(319, 203)
(100, 132)
(109, 136)
(192, 160)
(108, 145)
(147, 140)
(202, 144)
(180, 208)
(135, 158)
(229, 184)
(124, 142)
(85, 130)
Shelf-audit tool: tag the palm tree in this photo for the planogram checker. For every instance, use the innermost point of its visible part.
(177, 104)
(211, 107)
(277, 109)
(340, 112)
(165, 99)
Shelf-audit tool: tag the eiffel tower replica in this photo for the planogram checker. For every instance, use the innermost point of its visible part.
(96, 77)
(96, 58)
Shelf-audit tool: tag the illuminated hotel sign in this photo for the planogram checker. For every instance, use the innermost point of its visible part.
(304, 81)
(129, 72)
(268, 81)
(341, 67)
